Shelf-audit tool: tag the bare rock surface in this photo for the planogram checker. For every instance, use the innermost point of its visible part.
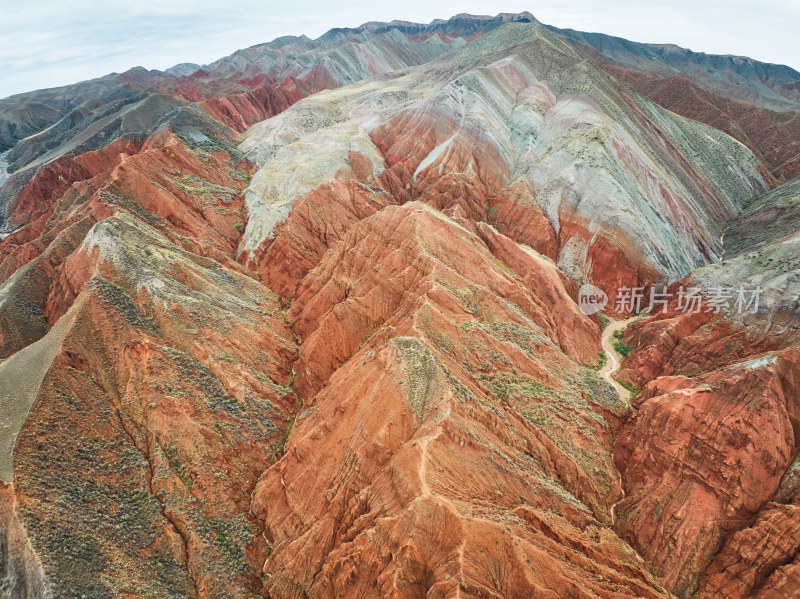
(304, 322)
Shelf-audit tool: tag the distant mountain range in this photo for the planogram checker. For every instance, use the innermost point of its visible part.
(306, 322)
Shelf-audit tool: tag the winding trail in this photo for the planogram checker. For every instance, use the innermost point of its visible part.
(608, 371)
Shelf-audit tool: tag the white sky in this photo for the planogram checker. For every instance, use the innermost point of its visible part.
(45, 43)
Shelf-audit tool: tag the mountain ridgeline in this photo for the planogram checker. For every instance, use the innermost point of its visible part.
(304, 322)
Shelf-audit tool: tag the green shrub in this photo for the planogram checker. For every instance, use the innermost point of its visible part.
(634, 391)
(500, 388)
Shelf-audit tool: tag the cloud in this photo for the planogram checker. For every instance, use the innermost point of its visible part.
(49, 43)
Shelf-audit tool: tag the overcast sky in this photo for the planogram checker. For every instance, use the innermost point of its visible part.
(46, 43)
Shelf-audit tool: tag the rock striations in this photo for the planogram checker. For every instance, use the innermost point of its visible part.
(304, 323)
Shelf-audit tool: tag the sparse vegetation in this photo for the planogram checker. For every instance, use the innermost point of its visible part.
(123, 303)
(535, 415)
(634, 391)
(194, 185)
(620, 346)
(420, 366)
(500, 388)
(229, 537)
(215, 395)
(177, 466)
(203, 142)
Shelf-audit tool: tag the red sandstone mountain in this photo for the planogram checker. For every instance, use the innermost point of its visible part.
(303, 323)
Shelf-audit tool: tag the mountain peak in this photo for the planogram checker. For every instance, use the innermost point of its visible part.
(471, 308)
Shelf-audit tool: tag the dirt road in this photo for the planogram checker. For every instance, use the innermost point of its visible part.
(612, 364)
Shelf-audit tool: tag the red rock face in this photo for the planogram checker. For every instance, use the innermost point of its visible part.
(393, 393)
(318, 220)
(35, 203)
(515, 214)
(716, 403)
(428, 322)
(193, 200)
(679, 521)
(263, 99)
(759, 557)
(157, 440)
(170, 419)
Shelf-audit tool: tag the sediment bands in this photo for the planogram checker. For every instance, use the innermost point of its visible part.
(304, 323)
